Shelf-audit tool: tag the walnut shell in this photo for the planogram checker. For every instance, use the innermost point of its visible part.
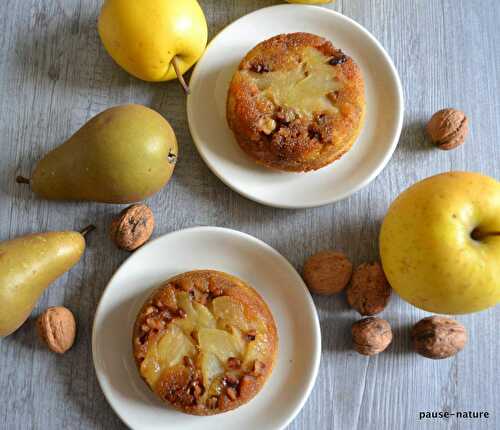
(132, 227)
(438, 337)
(371, 335)
(57, 328)
(327, 272)
(448, 128)
(369, 292)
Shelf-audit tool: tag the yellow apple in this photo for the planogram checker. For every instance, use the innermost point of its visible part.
(310, 1)
(150, 39)
(440, 243)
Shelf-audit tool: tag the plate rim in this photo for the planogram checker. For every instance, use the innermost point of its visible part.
(310, 302)
(381, 166)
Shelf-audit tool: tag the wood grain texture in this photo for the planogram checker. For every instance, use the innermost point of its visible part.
(54, 75)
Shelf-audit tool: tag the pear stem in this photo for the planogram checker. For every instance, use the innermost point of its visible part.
(22, 180)
(87, 229)
(179, 75)
(480, 235)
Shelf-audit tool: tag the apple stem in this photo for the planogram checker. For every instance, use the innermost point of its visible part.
(179, 75)
(479, 235)
(87, 229)
(22, 180)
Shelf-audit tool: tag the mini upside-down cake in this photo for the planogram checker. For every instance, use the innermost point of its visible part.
(296, 102)
(205, 342)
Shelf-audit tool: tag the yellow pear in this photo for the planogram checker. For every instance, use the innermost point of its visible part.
(154, 40)
(28, 265)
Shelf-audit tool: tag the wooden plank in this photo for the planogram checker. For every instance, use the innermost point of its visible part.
(56, 75)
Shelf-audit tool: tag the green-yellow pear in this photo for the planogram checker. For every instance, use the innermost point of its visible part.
(28, 265)
(122, 155)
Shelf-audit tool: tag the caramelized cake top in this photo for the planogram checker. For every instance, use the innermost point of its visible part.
(205, 342)
(296, 102)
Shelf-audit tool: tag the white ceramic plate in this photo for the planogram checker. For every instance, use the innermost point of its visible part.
(215, 142)
(207, 248)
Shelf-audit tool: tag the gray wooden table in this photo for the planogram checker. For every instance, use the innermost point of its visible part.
(54, 75)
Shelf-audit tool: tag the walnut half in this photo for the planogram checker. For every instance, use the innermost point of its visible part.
(266, 125)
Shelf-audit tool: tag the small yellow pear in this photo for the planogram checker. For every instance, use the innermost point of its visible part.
(28, 265)
(154, 40)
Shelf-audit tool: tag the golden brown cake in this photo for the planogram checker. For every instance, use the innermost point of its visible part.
(205, 342)
(296, 102)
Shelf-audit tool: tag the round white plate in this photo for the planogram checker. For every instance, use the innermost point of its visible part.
(206, 109)
(207, 248)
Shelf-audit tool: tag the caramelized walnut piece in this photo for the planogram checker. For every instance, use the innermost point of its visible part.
(197, 391)
(231, 393)
(194, 336)
(266, 125)
(155, 323)
(223, 402)
(215, 290)
(200, 296)
(166, 315)
(233, 363)
(333, 96)
(188, 361)
(231, 380)
(175, 386)
(285, 115)
(338, 58)
(142, 340)
(167, 299)
(184, 285)
(159, 304)
(246, 386)
(212, 402)
(141, 355)
(259, 68)
(251, 334)
(150, 310)
(258, 368)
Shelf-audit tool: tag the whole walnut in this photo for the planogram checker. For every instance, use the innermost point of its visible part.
(132, 227)
(371, 335)
(448, 128)
(57, 328)
(327, 272)
(438, 337)
(369, 292)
